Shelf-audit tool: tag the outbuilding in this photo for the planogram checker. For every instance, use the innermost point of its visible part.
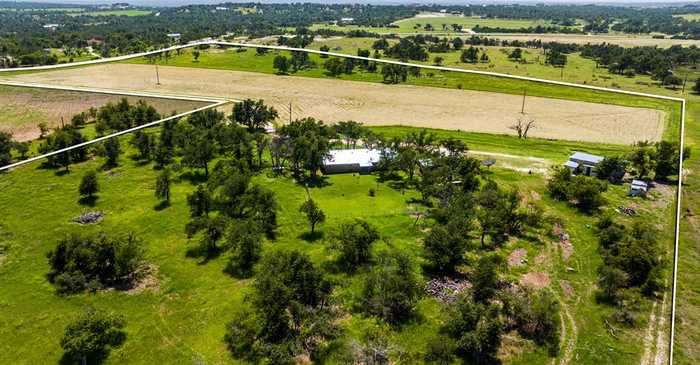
(360, 160)
(586, 161)
(638, 188)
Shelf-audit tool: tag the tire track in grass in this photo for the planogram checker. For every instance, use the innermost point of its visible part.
(571, 343)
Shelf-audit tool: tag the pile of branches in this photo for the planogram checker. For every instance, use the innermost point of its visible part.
(445, 289)
(89, 217)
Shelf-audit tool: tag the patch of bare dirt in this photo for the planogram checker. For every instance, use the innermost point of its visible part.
(512, 345)
(335, 100)
(535, 280)
(567, 249)
(541, 259)
(566, 287)
(148, 281)
(517, 257)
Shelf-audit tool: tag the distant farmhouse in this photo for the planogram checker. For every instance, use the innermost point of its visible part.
(359, 160)
(586, 161)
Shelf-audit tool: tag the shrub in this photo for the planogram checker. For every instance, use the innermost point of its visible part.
(94, 262)
(88, 338)
(391, 290)
(353, 240)
(89, 185)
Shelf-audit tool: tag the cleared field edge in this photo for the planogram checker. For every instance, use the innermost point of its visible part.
(369, 102)
(213, 103)
(407, 64)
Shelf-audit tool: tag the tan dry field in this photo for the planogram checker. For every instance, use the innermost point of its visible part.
(625, 40)
(379, 104)
(22, 108)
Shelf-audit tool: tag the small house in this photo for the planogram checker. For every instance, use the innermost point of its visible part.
(174, 36)
(360, 160)
(586, 161)
(347, 20)
(638, 188)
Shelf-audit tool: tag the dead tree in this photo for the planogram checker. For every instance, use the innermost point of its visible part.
(522, 127)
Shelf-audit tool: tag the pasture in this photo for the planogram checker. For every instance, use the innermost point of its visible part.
(181, 318)
(417, 24)
(593, 345)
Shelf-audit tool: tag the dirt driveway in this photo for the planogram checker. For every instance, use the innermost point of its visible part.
(379, 104)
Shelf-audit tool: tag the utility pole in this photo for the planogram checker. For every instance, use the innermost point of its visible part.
(562, 72)
(157, 76)
(685, 79)
(522, 108)
(290, 112)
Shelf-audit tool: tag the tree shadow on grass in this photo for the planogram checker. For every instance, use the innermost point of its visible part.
(193, 177)
(61, 172)
(204, 254)
(315, 182)
(311, 237)
(161, 205)
(88, 200)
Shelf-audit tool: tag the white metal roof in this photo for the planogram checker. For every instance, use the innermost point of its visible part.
(586, 157)
(361, 156)
(571, 164)
(639, 183)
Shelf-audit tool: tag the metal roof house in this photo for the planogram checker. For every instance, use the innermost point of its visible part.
(351, 160)
(638, 188)
(585, 160)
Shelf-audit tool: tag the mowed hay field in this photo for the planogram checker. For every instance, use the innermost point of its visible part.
(379, 104)
(23, 108)
(625, 40)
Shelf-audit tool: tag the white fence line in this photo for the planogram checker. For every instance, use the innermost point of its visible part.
(430, 67)
(143, 94)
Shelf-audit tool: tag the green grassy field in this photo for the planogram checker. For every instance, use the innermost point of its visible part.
(578, 69)
(183, 319)
(125, 12)
(63, 58)
(417, 24)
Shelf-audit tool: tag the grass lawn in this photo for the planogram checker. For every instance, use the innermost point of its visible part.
(183, 319)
